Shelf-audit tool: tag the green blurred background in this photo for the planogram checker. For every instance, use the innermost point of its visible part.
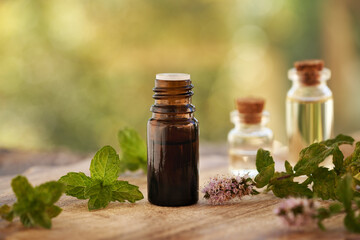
(74, 72)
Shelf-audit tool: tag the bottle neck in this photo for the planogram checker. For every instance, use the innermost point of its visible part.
(172, 99)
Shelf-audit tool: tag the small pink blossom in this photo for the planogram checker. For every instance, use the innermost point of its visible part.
(221, 189)
(297, 212)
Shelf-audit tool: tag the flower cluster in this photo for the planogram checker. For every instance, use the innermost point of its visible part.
(297, 212)
(221, 189)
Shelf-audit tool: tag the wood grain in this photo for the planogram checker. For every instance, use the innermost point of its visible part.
(250, 218)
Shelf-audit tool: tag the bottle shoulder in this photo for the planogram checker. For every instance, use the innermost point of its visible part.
(309, 93)
(173, 121)
(262, 132)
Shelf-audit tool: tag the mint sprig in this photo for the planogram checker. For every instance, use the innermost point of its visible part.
(102, 187)
(340, 183)
(35, 205)
(322, 181)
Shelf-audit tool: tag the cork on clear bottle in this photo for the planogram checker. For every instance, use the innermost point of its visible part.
(173, 143)
(309, 106)
(249, 134)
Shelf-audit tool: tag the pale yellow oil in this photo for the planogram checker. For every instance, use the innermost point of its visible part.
(308, 122)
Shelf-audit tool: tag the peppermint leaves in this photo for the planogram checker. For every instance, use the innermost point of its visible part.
(339, 183)
(102, 187)
(35, 205)
(323, 181)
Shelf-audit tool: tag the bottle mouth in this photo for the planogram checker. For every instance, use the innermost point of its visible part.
(173, 76)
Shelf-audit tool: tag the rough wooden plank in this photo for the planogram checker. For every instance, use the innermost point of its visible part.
(251, 218)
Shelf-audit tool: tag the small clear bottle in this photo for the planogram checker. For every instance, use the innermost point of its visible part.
(309, 106)
(249, 134)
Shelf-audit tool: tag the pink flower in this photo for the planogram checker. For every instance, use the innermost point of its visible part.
(297, 212)
(221, 189)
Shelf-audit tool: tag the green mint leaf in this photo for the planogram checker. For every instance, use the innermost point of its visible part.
(50, 192)
(322, 213)
(357, 178)
(6, 213)
(22, 188)
(41, 218)
(335, 208)
(354, 159)
(307, 181)
(324, 183)
(352, 223)
(99, 195)
(263, 159)
(339, 140)
(288, 167)
(286, 187)
(311, 157)
(53, 211)
(263, 178)
(345, 191)
(102, 187)
(105, 166)
(338, 161)
(75, 184)
(133, 148)
(122, 190)
(35, 206)
(25, 220)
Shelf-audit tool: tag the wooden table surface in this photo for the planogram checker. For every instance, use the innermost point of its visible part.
(250, 218)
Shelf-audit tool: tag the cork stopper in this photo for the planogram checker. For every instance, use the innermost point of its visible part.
(309, 71)
(251, 108)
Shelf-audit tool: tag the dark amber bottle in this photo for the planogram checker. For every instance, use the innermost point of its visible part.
(173, 143)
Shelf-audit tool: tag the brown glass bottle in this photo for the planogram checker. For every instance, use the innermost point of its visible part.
(173, 143)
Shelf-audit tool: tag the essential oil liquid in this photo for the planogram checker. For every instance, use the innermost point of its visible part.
(242, 154)
(173, 173)
(308, 122)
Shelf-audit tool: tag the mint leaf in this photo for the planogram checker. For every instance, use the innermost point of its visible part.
(133, 148)
(34, 206)
(50, 192)
(22, 188)
(345, 192)
(263, 159)
(335, 208)
(325, 183)
(288, 188)
(288, 167)
(6, 212)
(263, 178)
(352, 223)
(352, 162)
(339, 140)
(122, 190)
(105, 166)
(99, 196)
(338, 161)
(265, 165)
(102, 187)
(75, 184)
(311, 157)
(53, 211)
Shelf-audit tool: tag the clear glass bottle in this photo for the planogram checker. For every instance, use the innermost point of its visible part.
(173, 143)
(309, 106)
(249, 134)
